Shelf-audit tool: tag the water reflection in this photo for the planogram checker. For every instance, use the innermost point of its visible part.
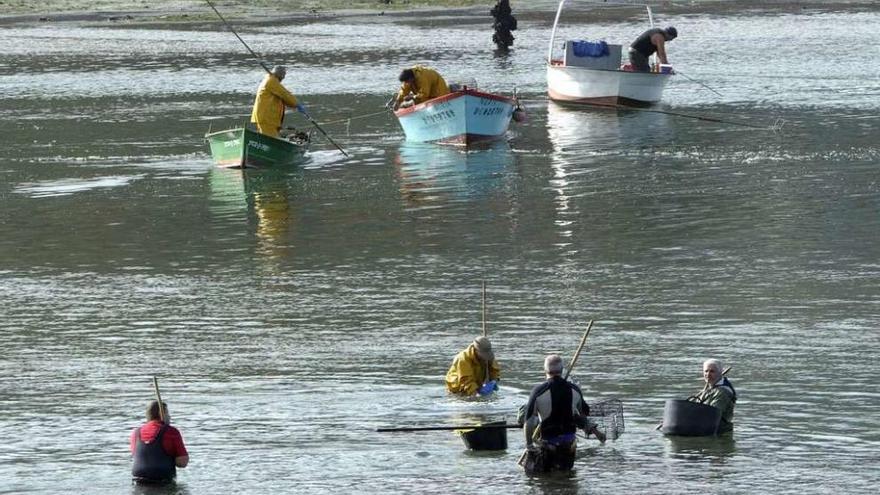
(228, 196)
(555, 483)
(574, 129)
(261, 195)
(269, 196)
(431, 174)
(503, 59)
(712, 448)
(169, 489)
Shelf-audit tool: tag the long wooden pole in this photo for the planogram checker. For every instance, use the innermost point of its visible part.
(229, 26)
(577, 354)
(159, 400)
(309, 117)
(485, 330)
(444, 428)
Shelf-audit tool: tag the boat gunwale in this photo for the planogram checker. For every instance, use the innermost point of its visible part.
(244, 128)
(451, 96)
(560, 66)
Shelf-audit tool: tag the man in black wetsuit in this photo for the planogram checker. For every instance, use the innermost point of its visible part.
(652, 40)
(558, 407)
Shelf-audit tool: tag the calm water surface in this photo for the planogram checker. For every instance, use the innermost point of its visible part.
(288, 314)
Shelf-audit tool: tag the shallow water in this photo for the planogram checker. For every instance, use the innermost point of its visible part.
(289, 314)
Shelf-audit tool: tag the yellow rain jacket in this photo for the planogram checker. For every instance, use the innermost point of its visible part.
(468, 372)
(269, 105)
(427, 85)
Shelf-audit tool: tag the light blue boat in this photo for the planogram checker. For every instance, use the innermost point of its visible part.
(460, 118)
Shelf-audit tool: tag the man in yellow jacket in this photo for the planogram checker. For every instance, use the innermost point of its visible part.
(423, 82)
(272, 99)
(474, 370)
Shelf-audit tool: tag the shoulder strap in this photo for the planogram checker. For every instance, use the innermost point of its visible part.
(159, 434)
(726, 384)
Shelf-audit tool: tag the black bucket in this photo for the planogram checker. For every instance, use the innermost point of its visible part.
(690, 419)
(486, 438)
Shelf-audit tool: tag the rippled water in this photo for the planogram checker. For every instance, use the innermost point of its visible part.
(288, 314)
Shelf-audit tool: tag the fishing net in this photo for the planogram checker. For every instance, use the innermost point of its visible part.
(608, 416)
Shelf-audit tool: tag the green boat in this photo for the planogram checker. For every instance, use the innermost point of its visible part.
(242, 147)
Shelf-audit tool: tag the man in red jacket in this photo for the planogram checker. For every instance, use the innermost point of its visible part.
(157, 448)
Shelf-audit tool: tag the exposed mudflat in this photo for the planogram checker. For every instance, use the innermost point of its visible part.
(183, 12)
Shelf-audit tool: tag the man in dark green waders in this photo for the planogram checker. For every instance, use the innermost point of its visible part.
(718, 392)
(157, 448)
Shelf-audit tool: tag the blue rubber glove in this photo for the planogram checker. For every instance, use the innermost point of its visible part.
(488, 388)
(301, 109)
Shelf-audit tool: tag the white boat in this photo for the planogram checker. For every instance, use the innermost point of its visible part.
(600, 80)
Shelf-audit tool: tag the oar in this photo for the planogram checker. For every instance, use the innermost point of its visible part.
(159, 401)
(445, 428)
(577, 353)
(260, 60)
(699, 393)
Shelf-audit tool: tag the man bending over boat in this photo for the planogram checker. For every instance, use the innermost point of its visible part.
(157, 448)
(718, 392)
(558, 407)
(652, 40)
(419, 84)
(474, 371)
(272, 99)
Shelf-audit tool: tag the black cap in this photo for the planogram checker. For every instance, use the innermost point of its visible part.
(672, 32)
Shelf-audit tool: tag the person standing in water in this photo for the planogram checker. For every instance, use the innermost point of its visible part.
(474, 371)
(157, 448)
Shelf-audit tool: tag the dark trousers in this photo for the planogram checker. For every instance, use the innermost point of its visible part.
(639, 61)
(550, 457)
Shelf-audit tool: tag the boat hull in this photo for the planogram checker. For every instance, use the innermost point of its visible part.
(604, 87)
(461, 118)
(244, 148)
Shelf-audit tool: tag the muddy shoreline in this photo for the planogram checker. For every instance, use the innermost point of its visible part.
(186, 14)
